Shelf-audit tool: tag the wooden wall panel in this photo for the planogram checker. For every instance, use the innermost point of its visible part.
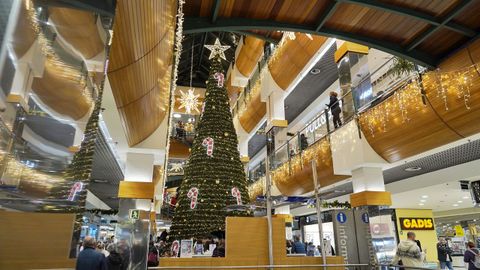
(300, 180)
(79, 29)
(255, 111)
(178, 149)
(251, 232)
(249, 54)
(140, 64)
(23, 35)
(63, 95)
(465, 121)
(396, 134)
(35, 240)
(293, 57)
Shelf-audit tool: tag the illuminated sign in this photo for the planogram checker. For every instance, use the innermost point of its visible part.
(416, 224)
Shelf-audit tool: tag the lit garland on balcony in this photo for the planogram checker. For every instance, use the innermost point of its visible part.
(320, 151)
(457, 83)
(59, 67)
(257, 189)
(408, 98)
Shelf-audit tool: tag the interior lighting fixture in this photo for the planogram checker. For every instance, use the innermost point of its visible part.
(176, 115)
(424, 196)
(423, 201)
(413, 169)
(459, 201)
(421, 204)
(465, 197)
(315, 71)
(455, 204)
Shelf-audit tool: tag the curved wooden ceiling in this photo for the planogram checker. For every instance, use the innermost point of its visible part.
(85, 38)
(24, 34)
(249, 54)
(62, 94)
(424, 31)
(140, 64)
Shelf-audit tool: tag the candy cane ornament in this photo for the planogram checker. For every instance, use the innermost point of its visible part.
(76, 188)
(236, 193)
(208, 142)
(193, 195)
(220, 78)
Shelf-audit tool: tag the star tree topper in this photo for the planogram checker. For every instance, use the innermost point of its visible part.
(217, 49)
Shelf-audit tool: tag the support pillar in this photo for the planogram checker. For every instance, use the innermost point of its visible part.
(347, 56)
(136, 194)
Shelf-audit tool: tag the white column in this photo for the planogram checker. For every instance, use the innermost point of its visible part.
(139, 167)
(276, 105)
(368, 179)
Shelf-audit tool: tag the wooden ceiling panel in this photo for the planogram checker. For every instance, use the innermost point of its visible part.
(249, 54)
(292, 59)
(443, 36)
(140, 64)
(24, 34)
(374, 23)
(255, 111)
(469, 17)
(434, 8)
(79, 29)
(63, 95)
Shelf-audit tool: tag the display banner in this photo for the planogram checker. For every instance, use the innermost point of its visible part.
(345, 237)
(366, 251)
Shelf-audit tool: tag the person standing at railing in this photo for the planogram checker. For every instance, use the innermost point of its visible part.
(303, 142)
(335, 109)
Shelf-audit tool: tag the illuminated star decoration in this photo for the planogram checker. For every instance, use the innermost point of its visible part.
(217, 49)
(189, 101)
(177, 168)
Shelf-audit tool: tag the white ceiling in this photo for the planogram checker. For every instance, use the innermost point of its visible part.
(442, 197)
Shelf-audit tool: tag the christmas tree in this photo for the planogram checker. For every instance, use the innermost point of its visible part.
(214, 177)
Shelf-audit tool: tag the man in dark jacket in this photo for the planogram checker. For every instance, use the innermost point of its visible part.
(114, 260)
(470, 256)
(89, 258)
(444, 253)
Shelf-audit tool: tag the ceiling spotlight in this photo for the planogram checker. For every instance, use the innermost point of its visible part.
(459, 201)
(423, 200)
(176, 115)
(455, 204)
(465, 197)
(315, 71)
(413, 169)
(421, 204)
(424, 196)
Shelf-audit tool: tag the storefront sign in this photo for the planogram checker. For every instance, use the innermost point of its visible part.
(416, 224)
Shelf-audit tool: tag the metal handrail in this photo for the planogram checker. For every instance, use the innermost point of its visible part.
(290, 266)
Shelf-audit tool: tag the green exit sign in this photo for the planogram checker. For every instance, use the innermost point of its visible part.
(134, 214)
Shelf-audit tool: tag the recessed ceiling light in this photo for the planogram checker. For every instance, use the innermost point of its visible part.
(455, 204)
(465, 197)
(424, 196)
(315, 71)
(423, 200)
(176, 115)
(421, 204)
(459, 201)
(413, 169)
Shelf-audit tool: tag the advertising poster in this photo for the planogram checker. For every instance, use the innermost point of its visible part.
(186, 250)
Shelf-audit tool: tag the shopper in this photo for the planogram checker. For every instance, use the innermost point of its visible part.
(152, 259)
(444, 254)
(89, 258)
(198, 250)
(472, 257)
(311, 249)
(298, 247)
(219, 250)
(409, 253)
(334, 107)
(101, 249)
(114, 260)
(303, 142)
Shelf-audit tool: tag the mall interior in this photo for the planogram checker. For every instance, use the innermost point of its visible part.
(232, 134)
